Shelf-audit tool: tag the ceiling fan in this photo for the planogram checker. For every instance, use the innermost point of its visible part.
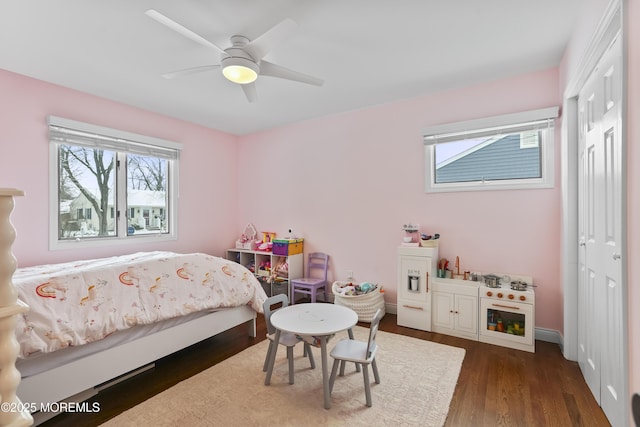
(243, 61)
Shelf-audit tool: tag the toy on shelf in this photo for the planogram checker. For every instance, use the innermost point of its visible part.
(268, 236)
(411, 237)
(264, 269)
(429, 241)
(279, 271)
(248, 238)
(265, 247)
(267, 241)
(251, 266)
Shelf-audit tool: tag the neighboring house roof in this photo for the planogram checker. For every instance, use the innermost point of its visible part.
(65, 206)
(493, 159)
(146, 198)
(156, 199)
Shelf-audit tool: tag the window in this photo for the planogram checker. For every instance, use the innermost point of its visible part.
(514, 151)
(98, 173)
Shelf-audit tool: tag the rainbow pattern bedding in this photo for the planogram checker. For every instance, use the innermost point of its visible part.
(76, 303)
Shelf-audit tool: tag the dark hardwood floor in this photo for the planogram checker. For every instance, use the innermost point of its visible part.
(497, 386)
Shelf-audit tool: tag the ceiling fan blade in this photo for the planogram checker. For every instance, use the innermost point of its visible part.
(189, 71)
(250, 92)
(259, 47)
(154, 14)
(273, 70)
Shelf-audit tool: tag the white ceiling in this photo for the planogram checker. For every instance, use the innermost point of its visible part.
(367, 51)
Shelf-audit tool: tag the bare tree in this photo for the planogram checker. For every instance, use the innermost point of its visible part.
(146, 173)
(74, 160)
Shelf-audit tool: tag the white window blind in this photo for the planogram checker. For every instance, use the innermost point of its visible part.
(71, 132)
(487, 127)
(534, 126)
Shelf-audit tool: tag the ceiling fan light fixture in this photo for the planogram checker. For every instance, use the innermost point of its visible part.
(240, 70)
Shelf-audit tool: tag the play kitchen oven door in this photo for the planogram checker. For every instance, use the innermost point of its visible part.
(508, 323)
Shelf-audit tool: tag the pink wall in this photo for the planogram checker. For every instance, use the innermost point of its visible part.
(348, 182)
(206, 219)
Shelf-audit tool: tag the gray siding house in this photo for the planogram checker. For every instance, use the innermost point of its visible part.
(512, 156)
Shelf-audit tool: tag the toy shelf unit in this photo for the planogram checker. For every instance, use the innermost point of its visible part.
(274, 271)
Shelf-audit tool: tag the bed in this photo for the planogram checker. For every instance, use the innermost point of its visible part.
(90, 322)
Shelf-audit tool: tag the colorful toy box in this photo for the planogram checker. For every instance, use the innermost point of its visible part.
(286, 247)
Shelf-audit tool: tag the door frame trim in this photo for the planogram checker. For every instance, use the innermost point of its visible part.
(611, 26)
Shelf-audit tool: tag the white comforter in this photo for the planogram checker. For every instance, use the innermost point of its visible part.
(76, 303)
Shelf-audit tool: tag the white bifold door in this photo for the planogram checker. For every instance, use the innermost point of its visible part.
(602, 311)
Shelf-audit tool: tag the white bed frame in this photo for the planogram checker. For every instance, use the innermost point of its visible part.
(79, 380)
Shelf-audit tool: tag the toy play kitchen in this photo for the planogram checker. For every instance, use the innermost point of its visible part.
(496, 309)
(438, 297)
(507, 311)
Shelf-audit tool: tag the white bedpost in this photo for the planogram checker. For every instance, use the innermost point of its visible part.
(12, 412)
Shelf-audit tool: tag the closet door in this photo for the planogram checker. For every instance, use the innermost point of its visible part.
(602, 309)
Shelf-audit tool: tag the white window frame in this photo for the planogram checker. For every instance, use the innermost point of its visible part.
(431, 134)
(121, 202)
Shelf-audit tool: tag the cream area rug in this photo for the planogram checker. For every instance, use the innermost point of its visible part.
(417, 380)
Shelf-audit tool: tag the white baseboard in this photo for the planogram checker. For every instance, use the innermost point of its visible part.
(549, 335)
(391, 308)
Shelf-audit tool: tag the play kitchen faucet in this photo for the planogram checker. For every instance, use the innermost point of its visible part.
(444, 272)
